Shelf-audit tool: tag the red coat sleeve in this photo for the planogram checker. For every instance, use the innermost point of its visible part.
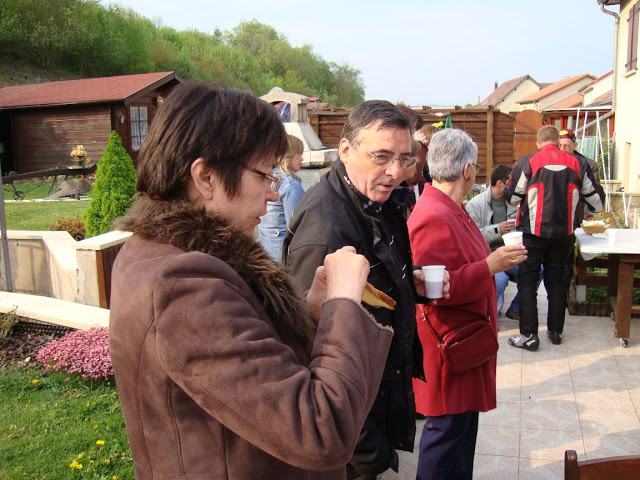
(441, 237)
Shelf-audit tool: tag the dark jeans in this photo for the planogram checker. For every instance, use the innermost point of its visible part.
(556, 255)
(447, 447)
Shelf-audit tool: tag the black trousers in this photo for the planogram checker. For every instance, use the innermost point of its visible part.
(557, 257)
(447, 447)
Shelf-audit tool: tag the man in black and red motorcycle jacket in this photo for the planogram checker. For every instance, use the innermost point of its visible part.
(547, 186)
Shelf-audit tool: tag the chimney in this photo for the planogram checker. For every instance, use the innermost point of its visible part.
(495, 85)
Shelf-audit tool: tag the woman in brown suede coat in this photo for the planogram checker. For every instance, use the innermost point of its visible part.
(224, 371)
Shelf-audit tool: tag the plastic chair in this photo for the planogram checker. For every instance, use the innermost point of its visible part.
(609, 468)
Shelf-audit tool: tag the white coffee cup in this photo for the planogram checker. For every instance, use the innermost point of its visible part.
(512, 238)
(433, 280)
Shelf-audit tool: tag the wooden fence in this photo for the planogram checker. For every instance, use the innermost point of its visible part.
(492, 130)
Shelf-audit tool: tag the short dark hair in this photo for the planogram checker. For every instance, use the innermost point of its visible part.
(547, 134)
(370, 112)
(224, 126)
(500, 172)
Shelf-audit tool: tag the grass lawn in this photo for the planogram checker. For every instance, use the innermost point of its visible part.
(29, 191)
(39, 215)
(50, 421)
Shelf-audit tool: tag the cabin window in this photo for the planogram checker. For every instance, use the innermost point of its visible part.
(139, 126)
(632, 45)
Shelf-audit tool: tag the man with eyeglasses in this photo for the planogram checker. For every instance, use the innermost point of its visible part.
(354, 204)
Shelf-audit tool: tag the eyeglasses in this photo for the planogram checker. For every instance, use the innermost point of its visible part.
(276, 183)
(476, 167)
(385, 160)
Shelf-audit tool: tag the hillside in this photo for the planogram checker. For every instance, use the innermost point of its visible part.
(19, 73)
(111, 40)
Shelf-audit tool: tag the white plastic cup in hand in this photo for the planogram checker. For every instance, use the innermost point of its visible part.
(433, 280)
(512, 238)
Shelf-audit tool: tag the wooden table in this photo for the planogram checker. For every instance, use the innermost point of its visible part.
(624, 256)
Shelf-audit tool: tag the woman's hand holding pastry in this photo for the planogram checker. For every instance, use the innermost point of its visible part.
(346, 273)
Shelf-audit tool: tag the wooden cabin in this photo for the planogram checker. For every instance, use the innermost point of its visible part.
(40, 124)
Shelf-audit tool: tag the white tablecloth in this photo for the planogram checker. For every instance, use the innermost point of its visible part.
(627, 241)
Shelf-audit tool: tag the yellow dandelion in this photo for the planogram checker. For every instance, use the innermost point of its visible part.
(35, 381)
(107, 460)
(80, 456)
(79, 466)
(115, 477)
(90, 462)
(73, 464)
(100, 442)
(116, 454)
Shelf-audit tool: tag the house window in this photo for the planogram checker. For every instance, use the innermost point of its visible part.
(139, 126)
(632, 45)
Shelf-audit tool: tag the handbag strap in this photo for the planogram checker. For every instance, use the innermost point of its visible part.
(439, 341)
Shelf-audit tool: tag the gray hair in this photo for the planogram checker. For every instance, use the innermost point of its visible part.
(370, 112)
(449, 151)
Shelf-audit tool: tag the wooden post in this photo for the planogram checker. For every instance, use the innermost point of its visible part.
(624, 300)
(314, 120)
(489, 142)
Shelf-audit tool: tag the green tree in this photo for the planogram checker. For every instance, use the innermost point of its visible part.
(42, 31)
(347, 85)
(84, 38)
(114, 188)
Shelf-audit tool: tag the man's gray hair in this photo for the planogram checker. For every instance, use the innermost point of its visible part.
(449, 151)
(370, 112)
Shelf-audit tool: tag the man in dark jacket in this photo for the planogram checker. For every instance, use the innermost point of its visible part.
(567, 143)
(355, 204)
(547, 185)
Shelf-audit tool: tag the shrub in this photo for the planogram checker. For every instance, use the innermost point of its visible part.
(114, 188)
(72, 225)
(85, 352)
(7, 322)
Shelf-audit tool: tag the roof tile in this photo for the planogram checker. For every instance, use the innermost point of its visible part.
(554, 87)
(502, 91)
(574, 100)
(88, 90)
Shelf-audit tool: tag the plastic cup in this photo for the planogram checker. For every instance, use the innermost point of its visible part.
(512, 238)
(433, 280)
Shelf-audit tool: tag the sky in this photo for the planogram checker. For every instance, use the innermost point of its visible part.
(427, 52)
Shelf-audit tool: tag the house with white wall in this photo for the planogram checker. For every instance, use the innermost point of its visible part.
(555, 93)
(626, 91)
(598, 91)
(506, 95)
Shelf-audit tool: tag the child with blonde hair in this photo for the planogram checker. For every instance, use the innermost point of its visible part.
(273, 225)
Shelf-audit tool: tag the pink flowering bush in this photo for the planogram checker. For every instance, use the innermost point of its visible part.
(84, 351)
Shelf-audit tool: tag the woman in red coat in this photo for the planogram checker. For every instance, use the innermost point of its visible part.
(442, 233)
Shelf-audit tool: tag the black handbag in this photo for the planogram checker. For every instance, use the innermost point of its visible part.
(467, 346)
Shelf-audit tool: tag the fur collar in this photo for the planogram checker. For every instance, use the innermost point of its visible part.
(190, 228)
